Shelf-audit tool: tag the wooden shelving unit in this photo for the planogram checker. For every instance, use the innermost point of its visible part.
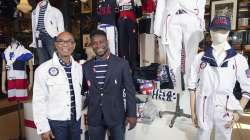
(240, 38)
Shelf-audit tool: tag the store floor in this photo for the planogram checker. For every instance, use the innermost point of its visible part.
(9, 124)
(241, 130)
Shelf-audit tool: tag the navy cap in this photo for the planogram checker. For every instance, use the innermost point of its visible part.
(220, 23)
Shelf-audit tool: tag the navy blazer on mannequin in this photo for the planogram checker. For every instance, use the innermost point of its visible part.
(110, 100)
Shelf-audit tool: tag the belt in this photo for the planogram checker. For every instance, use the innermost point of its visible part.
(105, 25)
(181, 11)
(125, 8)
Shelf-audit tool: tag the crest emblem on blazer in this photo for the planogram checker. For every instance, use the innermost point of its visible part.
(203, 65)
(53, 71)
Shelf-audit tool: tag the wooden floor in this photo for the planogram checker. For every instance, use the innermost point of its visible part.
(241, 130)
(9, 124)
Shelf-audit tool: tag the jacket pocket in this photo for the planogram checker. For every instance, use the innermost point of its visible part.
(56, 86)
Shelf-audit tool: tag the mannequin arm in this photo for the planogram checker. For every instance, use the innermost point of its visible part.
(193, 108)
(4, 76)
(243, 102)
(30, 75)
(192, 101)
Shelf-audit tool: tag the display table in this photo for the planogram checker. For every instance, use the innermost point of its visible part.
(157, 130)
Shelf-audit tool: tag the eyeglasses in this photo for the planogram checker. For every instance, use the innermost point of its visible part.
(67, 42)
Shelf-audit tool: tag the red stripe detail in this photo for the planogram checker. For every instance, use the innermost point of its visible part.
(29, 123)
(129, 14)
(17, 84)
(18, 98)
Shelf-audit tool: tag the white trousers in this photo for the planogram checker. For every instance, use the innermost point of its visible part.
(218, 123)
(112, 37)
(162, 52)
(184, 31)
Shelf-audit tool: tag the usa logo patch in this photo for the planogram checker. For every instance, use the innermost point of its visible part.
(203, 65)
(53, 71)
(248, 73)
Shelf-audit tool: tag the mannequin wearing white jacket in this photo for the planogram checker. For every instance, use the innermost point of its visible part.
(47, 23)
(179, 24)
(215, 72)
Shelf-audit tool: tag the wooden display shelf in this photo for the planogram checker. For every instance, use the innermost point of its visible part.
(244, 27)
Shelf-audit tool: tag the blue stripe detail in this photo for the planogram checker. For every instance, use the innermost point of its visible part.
(19, 65)
(209, 58)
(25, 57)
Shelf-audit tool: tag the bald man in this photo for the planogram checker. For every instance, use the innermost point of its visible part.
(57, 100)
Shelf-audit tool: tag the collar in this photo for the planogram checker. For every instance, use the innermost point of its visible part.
(55, 60)
(209, 58)
(38, 6)
(226, 46)
(64, 64)
(99, 58)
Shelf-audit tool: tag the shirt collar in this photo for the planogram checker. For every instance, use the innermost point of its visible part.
(209, 58)
(226, 46)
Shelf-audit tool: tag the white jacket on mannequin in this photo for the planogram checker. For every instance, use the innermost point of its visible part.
(53, 22)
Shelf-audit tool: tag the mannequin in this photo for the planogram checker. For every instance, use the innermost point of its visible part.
(179, 26)
(47, 23)
(14, 71)
(106, 17)
(128, 31)
(215, 71)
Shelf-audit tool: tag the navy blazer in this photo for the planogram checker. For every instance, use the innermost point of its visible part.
(108, 104)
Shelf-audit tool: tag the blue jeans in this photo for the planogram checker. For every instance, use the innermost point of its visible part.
(99, 132)
(45, 52)
(66, 130)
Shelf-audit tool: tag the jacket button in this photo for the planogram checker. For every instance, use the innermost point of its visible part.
(102, 94)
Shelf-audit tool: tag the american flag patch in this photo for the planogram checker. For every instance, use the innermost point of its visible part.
(248, 73)
(89, 83)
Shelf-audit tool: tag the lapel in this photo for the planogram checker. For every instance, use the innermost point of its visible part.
(111, 66)
(209, 58)
(92, 72)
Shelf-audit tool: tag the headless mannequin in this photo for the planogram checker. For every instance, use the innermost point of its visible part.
(47, 23)
(219, 39)
(4, 76)
(220, 46)
(6, 70)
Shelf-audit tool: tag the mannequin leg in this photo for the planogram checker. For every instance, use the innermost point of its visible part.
(111, 36)
(133, 51)
(123, 39)
(174, 52)
(192, 35)
(128, 41)
(46, 51)
(222, 133)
